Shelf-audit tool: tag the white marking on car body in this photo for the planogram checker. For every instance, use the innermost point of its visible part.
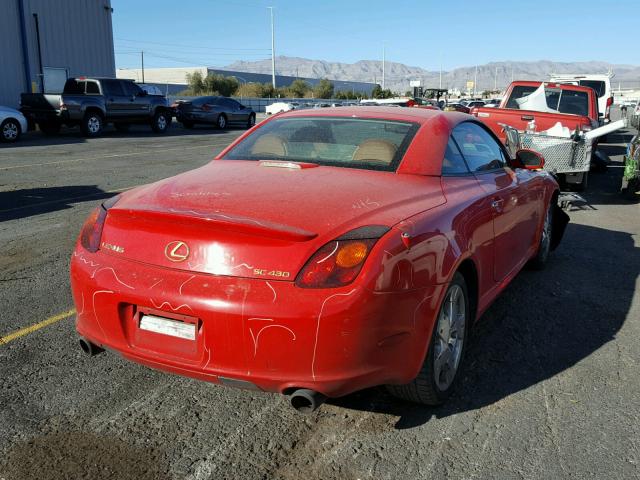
(315, 344)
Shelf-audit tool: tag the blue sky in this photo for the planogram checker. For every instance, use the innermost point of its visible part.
(419, 33)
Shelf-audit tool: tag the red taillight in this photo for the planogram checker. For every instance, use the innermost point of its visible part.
(92, 229)
(607, 112)
(336, 264)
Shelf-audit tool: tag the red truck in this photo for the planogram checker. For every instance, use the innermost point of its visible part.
(576, 106)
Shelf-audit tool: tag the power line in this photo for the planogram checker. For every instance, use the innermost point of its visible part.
(179, 45)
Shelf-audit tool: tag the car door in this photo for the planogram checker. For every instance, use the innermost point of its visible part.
(233, 110)
(509, 197)
(139, 104)
(117, 103)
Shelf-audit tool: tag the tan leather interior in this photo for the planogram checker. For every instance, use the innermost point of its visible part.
(270, 146)
(375, 150)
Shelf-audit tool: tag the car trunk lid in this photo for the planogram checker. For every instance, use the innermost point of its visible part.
(242, 218)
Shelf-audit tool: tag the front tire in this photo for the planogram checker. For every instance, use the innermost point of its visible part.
(221, 123)
(92, 124)
(440, 370)
(252, 121)
(161, 122)
(10, 130)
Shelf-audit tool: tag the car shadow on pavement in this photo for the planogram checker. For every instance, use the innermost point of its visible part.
(27, 202)
(543, 324)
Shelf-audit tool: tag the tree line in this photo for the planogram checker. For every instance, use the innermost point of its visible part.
(216, 84)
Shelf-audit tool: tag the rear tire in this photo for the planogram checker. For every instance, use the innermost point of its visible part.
(122, 127)
(544, 247)
(161, 122)
(10, 131)
(221, 123)
(437, 378)
(252, 120)
(92, 124)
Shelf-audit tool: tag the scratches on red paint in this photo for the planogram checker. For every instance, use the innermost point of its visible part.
(200, 194)
(256, 337)
(208, 350)
(330, 255)
(242, 265)
(367, 203)
(114, 275)
(82, 308)
(156, 283)
(185, 282)
(275, 295)
(95, 314)
(415, 312)
(85, 261)
(315, 343)
(175, 309)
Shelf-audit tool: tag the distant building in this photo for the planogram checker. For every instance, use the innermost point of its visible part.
(170, 77)
(44, 42)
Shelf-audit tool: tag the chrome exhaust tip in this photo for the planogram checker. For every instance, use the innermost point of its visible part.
(306, 401)
(89, 348)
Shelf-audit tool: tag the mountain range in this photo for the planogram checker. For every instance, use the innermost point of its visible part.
(398, 75)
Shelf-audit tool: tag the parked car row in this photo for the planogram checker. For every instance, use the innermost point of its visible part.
(92, 103)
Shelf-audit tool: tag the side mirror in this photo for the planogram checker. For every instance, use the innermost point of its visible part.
(529, 159)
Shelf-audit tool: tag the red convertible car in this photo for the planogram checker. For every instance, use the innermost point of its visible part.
(323, 252)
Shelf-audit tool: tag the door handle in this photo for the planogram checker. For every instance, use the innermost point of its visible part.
(527, 117)
(496, 203)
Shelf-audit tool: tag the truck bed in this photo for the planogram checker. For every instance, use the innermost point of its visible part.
(519, 119)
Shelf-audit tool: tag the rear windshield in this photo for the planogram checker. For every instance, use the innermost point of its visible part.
(370, 144)
(598, 85)
(563, 101)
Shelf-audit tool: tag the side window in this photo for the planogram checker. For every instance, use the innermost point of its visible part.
(112, 87)
(230, 104)
(130, 88)
(92, 88)
(453, 162)
(479, 149)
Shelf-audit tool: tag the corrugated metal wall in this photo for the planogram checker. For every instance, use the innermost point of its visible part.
(74, 34)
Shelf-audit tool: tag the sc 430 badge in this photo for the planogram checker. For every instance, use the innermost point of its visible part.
(271, 273)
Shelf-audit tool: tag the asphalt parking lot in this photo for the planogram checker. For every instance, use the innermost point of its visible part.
(551, 387)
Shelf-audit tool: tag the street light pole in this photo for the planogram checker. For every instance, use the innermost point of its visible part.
(142, 61)
(383, 59)
(273, 51)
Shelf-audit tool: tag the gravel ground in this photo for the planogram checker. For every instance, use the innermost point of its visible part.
(550, 390)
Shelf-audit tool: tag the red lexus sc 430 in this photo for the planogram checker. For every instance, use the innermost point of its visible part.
(321, 253)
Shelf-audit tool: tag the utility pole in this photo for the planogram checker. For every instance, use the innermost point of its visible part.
(383, 59)
(495, 81)
(273, 51)
(142, 60)
(475, 82)
(440, 87)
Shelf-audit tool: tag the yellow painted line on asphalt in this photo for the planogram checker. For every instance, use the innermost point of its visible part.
(34, 328)
(68, 199)
(112, 155)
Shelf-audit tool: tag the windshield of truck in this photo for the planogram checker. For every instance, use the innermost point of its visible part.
(598, 85)
(563, 101)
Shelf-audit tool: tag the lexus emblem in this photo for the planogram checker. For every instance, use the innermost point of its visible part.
(176, 251)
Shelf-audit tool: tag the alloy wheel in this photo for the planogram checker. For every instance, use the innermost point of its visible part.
(10, 131)
(450, 337)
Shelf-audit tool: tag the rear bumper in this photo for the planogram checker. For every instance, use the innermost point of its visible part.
(270, 335)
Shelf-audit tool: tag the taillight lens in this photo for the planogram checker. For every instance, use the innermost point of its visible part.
(92, 229)
(607, 112)
(336, 264)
